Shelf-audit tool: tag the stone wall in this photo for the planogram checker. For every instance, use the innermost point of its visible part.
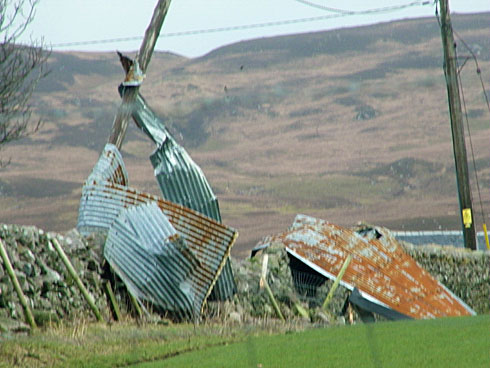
(53, 295)
(49, 289)
(252, 302)
(465, 273)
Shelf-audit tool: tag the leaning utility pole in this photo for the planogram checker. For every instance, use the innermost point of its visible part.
(459, 147)
(125, 110)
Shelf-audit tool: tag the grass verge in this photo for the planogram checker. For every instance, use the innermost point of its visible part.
(100, 345)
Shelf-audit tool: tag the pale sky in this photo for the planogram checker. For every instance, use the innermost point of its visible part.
(68, 21)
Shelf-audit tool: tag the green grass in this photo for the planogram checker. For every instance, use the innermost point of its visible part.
(99, 345)
(450, 342)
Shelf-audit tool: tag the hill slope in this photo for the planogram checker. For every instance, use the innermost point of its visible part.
(346, 125)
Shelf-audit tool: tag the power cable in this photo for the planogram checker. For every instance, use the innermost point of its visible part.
(343, 13)
(203, 31)
(363, 12)
(471, 146)
(478, 72)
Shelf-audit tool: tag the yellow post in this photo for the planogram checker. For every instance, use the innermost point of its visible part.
(486, 235)
(135, 304)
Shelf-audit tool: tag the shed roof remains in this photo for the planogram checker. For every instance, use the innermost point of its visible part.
(181, 180)
(104, 201)
(382, 272)
(155, 262)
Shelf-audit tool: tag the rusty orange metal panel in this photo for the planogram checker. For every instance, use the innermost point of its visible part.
(210, 241)
(382, 271)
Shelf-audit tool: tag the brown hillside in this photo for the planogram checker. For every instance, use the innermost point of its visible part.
(347, 125)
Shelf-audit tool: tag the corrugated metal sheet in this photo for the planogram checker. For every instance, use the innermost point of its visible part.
(104, 198)
(155, 262)
(211, 241)
(382, 271)
(181, 180)
(147, 121)
(109, 167)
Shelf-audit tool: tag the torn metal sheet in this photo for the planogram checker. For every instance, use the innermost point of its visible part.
(109, 167)
(181, 180)
(147, 121)
(382, 272)
(103, 200)
(155, 263)
(135, 75)
(369, 307)
(101, 203)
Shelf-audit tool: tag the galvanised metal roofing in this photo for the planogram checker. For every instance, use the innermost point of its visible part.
(103, 200)
(110, 167)
(380, 270)
(181, 180)
(155, 262)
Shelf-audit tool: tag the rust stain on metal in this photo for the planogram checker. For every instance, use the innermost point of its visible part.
(381, 271)
(106, 194)
(210, 241)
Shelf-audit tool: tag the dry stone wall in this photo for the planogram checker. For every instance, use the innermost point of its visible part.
(53, 294)
(466, 273)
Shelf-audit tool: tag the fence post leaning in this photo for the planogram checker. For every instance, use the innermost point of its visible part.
(79, 283)
(8, 266)
(337, 282)
(112, 300)
(265, 284)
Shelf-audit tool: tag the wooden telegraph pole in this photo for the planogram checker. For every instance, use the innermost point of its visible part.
(125, 110)
(459, 147)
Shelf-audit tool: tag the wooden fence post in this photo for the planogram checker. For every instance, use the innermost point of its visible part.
(8, 266)
(79, 283)
(265, 284)
(112, 300)
(336, 283)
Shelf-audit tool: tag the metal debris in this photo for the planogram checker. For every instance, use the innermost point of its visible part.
(109, 167)
(103, 201)
(181, 180)
(155, 262)
(382, 272)
(135, 75)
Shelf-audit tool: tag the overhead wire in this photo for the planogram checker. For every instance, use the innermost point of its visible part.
(338, 13)
(207, 30)
(364, 12)
(458, 75)
(473, 56)
(478, 71)
(463, 99)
